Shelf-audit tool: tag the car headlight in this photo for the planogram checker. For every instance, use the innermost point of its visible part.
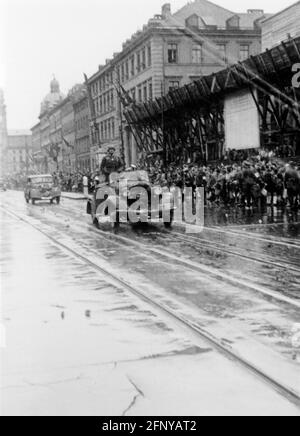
(157, 190)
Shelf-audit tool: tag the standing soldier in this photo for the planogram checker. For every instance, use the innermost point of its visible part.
(110, 164)
(85, 182)
(292, 184)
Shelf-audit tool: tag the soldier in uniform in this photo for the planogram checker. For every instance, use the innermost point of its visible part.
(110, 164)
(292, 184)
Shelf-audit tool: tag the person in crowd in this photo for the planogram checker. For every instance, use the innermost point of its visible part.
(292, 184)
(246, 179)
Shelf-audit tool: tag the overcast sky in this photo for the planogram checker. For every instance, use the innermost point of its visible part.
(40, 38)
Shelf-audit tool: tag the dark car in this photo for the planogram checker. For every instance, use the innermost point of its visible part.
(42, 187)
(130, 198)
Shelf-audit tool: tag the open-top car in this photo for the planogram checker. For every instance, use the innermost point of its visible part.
(130, 198)
(42, 187)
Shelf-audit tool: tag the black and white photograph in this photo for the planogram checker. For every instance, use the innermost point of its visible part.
(149, 211)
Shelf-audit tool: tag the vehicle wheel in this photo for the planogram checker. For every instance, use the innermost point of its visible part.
(117, 221)
(168, 224)
(33, 201)
(96, 223)
(57, 200)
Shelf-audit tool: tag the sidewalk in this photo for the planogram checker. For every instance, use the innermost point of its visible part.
(73, 195)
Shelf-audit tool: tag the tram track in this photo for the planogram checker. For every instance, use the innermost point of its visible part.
(159, 253)
(283, 242)
(225, 349)
(189, 264)
(225, 248)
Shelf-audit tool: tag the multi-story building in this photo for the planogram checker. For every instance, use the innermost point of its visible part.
(61, 138)
(169, 52)
(19, 152)
(104, 113)
(3, 133)
(281, 26)
(48, 126)
(68, 135)
(38, 156)
(82, 132)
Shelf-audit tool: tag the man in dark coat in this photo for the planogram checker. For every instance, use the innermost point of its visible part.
(292, 184)
(110, 164)
(248, 181)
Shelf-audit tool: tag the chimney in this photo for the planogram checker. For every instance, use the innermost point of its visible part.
(255, 11)
(166, 11)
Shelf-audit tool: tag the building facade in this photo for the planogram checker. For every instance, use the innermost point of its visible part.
(49, 128)
(61, 138)
(69, 157)
(104, 113)
(170, 51)
(281, 26)
(82, 133)
(19, 152)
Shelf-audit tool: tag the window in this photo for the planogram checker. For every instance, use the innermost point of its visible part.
(172, 53)
(122, 73)
(118, 73)
(145, 92)
(193, 21)
(197, 54)
(150, 90)
(222, 52)
(140, 95)
(109, 129)
(132, 66)
(126, 70)
(105, 130)
(133, 94)
(144, 59)
(174, 84)
(112, 99)
(149, 56)
(138, 62)
(113, 127)
(244, 52)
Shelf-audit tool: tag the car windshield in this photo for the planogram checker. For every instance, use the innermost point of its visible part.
(41, 180)
(135, 176)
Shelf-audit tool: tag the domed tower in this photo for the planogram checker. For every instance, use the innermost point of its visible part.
(54, 86)
(53, 98)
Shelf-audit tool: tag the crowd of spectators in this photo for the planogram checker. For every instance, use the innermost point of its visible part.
(241, 179)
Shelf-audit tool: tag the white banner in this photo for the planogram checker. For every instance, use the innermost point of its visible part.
(241, 121)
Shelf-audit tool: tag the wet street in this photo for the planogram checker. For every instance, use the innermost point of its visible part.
(146, 321)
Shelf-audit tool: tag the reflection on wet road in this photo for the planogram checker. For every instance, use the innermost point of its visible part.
(109, 338)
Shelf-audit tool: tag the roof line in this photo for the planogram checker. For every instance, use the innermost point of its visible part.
(280, 12)
(207, 1)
